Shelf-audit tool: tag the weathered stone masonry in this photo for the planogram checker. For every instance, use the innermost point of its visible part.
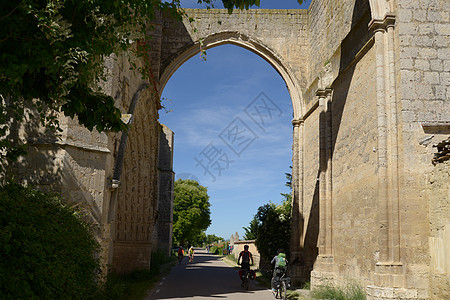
(370, 88)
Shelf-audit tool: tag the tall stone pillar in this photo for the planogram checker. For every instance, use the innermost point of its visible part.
(322, 172)
(388, 269)
(324, 267)
(297, 226)
(328, 176)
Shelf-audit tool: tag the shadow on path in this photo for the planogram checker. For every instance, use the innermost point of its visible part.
(207, 277)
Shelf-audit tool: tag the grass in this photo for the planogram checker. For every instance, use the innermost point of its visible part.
(232, 257)
(136, 284)
(351, 291)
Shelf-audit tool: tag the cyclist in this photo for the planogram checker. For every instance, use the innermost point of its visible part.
(280, 268)
(245, 257)
(180, 254)
(191, 254)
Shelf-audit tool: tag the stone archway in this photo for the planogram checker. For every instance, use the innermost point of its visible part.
(246, 42)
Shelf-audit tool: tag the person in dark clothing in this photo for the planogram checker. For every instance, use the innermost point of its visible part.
(245, 257)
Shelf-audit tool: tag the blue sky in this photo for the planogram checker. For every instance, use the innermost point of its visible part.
(231, 115)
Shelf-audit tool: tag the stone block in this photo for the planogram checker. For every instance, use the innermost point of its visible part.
(422, 64)
(436, 65)
(419, 15)
(431, 78)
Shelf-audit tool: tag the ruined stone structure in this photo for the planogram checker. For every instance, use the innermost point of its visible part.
(370, 86)
(368, 81)
(124, 181)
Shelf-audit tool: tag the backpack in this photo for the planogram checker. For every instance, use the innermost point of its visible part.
(281, 261)
(245, 256)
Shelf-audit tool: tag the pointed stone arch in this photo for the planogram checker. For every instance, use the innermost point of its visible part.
(252, 44)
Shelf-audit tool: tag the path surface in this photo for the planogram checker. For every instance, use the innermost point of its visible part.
(208, 277)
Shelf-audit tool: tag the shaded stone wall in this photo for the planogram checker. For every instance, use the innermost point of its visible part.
(162, 235)
(354, 172)
(135, 200)
(310, 198)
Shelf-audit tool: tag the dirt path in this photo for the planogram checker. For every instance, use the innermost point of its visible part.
(208, 277)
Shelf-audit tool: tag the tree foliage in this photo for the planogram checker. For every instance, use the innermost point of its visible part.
(191, 213)
(51, 58)
(212, 238)
(274, 228)
(251, 232)
(271, 226)
(46, 250)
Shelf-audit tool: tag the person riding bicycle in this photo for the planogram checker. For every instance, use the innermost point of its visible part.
(180, 254)
(191, 254)
(245, 257)
(280, 268)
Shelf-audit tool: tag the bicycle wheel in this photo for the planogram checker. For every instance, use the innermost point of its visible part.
(246, 280)
(283, 290)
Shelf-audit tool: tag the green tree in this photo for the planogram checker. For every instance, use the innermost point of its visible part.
(251, 232)
(288, 196)
(191, 213)
(271, 226)
(199, 240)
(212, 238)
(274, 228)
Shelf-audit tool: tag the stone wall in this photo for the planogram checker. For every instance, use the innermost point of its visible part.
(162, 235)
(439, 240)
(134, 216)
(239, 246)
(424, 81)
(81, 164)
(354, 172)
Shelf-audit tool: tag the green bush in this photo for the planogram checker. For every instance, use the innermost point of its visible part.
(216, 250)
(46, 250)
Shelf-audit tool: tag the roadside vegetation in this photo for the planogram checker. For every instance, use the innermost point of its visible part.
(137, 284)
(49, 252)
(350, 291)
(47, 248)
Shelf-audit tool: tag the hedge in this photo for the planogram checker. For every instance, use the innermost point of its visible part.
(46, 250)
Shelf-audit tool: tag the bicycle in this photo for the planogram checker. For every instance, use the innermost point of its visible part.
(246, 281)
(281, 287)
(246, 276)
